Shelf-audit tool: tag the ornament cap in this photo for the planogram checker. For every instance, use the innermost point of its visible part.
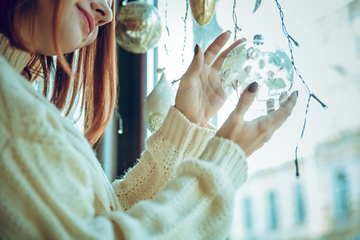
(258, 38)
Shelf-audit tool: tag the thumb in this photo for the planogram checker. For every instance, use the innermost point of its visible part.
(195, 67)
(246, 99)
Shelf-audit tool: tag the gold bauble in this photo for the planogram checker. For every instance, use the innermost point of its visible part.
(138, 27)
(202, 10)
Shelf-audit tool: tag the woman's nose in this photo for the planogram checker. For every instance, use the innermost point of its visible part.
(103, 12)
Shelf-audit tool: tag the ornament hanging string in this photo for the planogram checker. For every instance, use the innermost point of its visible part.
(167, 29)
(185, 33)
(306, 87)
(117, 111)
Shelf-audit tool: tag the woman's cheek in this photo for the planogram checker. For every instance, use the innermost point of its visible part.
(70, 37)
(91, 38)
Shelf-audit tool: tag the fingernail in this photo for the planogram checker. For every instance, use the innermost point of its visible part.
(297, 93)
(253, 87)
(196, 49)
(228, 31)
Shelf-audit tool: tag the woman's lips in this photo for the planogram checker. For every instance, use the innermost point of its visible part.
(89, 21)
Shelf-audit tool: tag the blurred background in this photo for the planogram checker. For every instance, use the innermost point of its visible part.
(325, 202)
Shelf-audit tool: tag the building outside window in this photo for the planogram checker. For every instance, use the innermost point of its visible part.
(273, 215)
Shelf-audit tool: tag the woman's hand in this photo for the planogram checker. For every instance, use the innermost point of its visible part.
(252, 135)
(200, 94)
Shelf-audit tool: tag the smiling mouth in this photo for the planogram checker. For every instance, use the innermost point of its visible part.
(89, 21)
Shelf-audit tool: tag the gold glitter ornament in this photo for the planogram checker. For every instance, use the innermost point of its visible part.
(138, 27)
(202, 10)
(158, 103)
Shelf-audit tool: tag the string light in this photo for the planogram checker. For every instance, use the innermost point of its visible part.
(306, 87)
(236, 27)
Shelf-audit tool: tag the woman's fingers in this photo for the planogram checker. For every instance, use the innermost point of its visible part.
(252, 135)
(220, 60)
(215, 47)
(278, 117)
(270, 105)
(283, 98)
(195, 67)
(246, 99)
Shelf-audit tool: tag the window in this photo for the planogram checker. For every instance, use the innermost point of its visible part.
(341, 194)
(300, 205)
(272, 210)
(248, 221)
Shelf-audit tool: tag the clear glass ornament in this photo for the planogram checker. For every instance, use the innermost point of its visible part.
(138, 27)
(258, 61)
(158, 103)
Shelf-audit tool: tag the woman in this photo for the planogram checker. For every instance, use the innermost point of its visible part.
(52, 186)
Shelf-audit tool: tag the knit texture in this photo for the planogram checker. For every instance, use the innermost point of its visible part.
(165, 151)
(53, 187)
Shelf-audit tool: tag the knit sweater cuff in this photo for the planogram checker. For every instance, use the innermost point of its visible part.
(229, 157)
(183, 135)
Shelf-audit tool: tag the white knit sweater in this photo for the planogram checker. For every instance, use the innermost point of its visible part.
(53, 187)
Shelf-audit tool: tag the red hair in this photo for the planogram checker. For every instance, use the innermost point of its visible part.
(95, 65)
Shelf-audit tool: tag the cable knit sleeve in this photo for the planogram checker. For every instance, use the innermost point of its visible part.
(50, 190)
(53, 187)
(176, 139)
(197, 204)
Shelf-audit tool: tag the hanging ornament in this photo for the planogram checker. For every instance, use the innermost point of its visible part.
(138, 27)
(202, 10)
(261, 62)
(158, 103)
